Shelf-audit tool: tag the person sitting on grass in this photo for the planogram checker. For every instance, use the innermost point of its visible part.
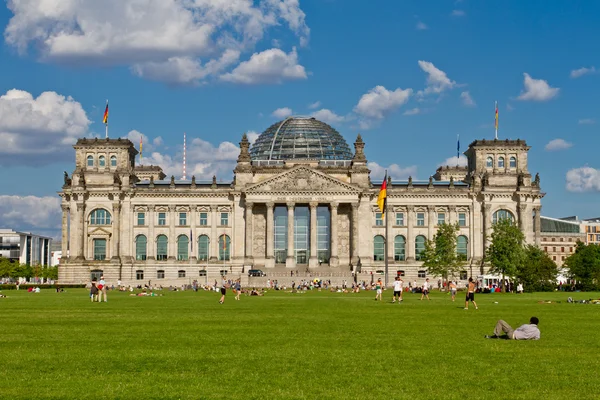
(524, 332)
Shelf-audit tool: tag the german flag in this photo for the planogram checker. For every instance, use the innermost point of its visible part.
(105, 119)
(382, 198)
(496, 117)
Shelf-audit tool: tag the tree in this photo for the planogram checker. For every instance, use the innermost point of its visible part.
(538, 272)
(506, 253)
(584, 265)
(439, 255)
(6, 267)
(50, 273)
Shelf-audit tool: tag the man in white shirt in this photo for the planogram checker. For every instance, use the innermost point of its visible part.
(397, 290)
(102, 290)
(425, 289)
(524, 332)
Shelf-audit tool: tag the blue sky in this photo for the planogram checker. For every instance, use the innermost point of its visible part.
(408, 75)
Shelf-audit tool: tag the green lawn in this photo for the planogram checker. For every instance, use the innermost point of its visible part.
(317, 345)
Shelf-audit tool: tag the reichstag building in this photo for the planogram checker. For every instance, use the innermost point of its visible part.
(300, 200)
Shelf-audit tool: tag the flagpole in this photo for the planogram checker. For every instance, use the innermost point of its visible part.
(385, 256)
(457, 148)
(106, 130)
(496, 120)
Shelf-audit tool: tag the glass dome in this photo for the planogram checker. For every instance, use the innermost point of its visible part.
(300, 138)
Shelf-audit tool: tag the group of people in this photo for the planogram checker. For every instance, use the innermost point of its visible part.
(98, 291)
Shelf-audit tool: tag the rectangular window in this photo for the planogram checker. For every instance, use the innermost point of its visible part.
(224, 219)
(141, 219)
(562, 249)
(462, 219)
(400, 219)
(139, 275)
(422, 273)
(420, 219)
(160, 274)
(554, 249)
(182, 219)
(162, 219)
(597, 238)
(181, 274)
(441, 218)
(378, 219)
(99, 249)
(203, 219)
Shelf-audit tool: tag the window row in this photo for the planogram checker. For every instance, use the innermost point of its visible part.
(562, 249)
(182, 219)
(400, 247)
(185, 249)
(91, 161)
(420, 219)
(160, 274)
(512, 162)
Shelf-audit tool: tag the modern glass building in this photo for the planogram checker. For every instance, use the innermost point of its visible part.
(25, 248)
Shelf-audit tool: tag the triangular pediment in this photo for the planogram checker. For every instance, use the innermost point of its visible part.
(98, 232)
(302, 179)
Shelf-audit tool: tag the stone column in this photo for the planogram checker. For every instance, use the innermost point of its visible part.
(538, 226)
(430, 222)
(192, 222)
(334, 260)
(172, 244)
(354, 240)
(452, 215)
(151, 242)
(487, 226)
(313, 261)
(81, 234)
(522, 215)
(249, 233)
(116, 232)
(214, 240)
(410, 236)
(270, 239)
(65, 234)
(389, 219)
(290, 262)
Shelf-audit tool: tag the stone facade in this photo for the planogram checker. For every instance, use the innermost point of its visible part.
(145, 223)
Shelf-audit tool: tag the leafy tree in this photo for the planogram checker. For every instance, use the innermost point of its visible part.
(584, 265)
(21, 271)
(538, 272)
(439, 255)
(506, 253)
(50, 273)
(6, 267)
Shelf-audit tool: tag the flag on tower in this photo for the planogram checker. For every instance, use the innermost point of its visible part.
(140, 146)
(496, 119)
(382, 198)
(105, 118)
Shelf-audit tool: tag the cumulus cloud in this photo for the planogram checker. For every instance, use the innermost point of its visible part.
(379, 101)
(283, 112)
(157, 141)
(584, 179)
(537, 89)
(39, 130)
(461, 161)
(412, 111)
(586, 121)
(577, 73)
(252, 136)
(172, 40)
(269, 66)
(421, 26)
(437, 80)
(467, 99)
(314, 105)
(393, 170)
(458, 13)
(40, 215)
(328, 116)
(557, 144)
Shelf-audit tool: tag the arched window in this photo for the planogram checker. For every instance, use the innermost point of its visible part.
(101, 161)
(419, 246)
(113, 161)
(502, 214)
(378, 248)
(183, 245)
(90, 161)
(501, 162)
(141, 246)
(100, 217)
(224, 248)
(489, 163)
(203, 242)
(161, 247)
(513, 162)
(399, 248)
(461, 248)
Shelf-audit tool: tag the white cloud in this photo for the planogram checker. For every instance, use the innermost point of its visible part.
(40, 215)
(467, 99)
(252, 136)
(412, 111)
(586, 121)
(328, 116)
(537, 90)
(458, 13)
(379, 101)
(269, 66)
(39, 130)
(421, 26)
(584, 179)
(158, 141)
(557, 144)
(283, 112)
(153, 36)
(437, 80)
(393, 170)
(314, 105)
(461, 161)
(577, 73)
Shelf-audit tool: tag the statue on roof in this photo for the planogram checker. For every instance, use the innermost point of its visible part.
(536, 181)
(67, 179)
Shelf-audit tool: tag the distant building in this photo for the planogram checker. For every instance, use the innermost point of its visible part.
(559, 237)
(25, 248)
(590, 227)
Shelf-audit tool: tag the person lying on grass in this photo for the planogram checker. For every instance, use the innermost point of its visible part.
(524, 332)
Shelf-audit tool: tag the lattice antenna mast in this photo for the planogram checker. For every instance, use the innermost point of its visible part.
(184, 175)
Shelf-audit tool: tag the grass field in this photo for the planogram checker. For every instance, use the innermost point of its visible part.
(323, 345)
